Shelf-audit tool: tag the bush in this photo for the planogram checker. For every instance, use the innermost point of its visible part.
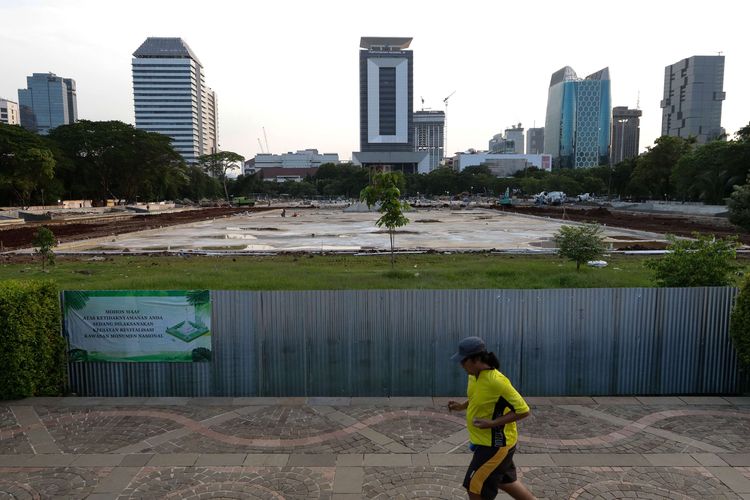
(32, 350)
(739, 327)
(580, 244)
(704, 261)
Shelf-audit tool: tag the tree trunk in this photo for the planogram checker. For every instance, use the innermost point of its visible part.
(390, 233)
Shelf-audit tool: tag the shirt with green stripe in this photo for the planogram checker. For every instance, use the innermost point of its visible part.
(492, 395)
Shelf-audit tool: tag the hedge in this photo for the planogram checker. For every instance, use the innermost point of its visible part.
(32, 350)
(739, 326)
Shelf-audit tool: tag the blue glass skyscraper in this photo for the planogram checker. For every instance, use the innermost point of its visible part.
(48, 102)
(579, 119)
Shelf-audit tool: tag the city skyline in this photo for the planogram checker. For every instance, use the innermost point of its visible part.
(291, 67)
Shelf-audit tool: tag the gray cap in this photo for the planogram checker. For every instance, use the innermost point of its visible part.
(469, 347)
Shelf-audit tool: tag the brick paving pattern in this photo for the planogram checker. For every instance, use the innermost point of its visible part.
(295, 448)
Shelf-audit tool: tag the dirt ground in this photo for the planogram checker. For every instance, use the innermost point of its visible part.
(680, 225)
(18, 237)
(13, 238)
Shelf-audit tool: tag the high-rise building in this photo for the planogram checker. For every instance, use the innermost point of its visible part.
(515, 134)
(429, 130)
(171, 97)
(535, 141)
(499, 144)
(626, 133)
(386, 124)
(9, 113)
(579, 116)
(48, 101)
(693, 91)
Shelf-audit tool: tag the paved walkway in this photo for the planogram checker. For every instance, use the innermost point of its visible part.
(350, 448)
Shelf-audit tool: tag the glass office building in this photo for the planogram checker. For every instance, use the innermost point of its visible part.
(579, 119)
(171, 97)
(48, 102)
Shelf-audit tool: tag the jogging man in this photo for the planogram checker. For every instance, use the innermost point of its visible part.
(492, 410)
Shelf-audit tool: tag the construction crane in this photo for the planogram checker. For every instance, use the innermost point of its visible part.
(260, 145)
(445, 126)
(265, 138)
(422, 102)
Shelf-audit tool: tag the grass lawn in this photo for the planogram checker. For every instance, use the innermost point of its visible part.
(335, 272)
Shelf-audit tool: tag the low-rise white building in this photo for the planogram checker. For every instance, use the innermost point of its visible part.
(9, 113)
(502, 165)
(308, 158)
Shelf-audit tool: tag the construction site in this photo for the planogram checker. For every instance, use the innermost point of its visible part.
(344, 228)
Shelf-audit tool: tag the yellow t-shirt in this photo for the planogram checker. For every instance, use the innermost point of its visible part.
(491, 395)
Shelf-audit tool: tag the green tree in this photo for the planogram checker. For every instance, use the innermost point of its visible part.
(580, 244)
(739, 206)
(652, 174)
(26, 162)
(45, 240)
(739, 326)
(703, 261)
(386, 190)
(219, 164)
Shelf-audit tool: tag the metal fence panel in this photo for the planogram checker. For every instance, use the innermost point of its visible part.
(398, 343)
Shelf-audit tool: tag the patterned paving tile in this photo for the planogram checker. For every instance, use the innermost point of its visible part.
(231, 482)
(53, 482)
(417, 433)
(11, 441)
(725, 431)
(105, 429)
(414, 483)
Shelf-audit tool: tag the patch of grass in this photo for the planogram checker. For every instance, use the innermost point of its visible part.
(335, 272)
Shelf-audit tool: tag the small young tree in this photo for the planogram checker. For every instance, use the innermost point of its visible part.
(385, 189)
(739, 326)
(739, 206)
(703, 261)
(44, 240)
(580, 244)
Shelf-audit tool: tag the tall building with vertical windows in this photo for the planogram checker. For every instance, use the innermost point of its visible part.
(9, 112)
(693, 92)
(579, 119)
(48, 101)
(429, 129)
(626, 133)
(171, 97)
(386, 119)
(535, 141)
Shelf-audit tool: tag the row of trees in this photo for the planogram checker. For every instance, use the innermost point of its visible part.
(100, 160)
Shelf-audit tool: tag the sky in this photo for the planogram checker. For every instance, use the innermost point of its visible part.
(291, 66)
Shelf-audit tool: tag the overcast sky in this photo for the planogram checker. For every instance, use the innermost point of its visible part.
(292, 66)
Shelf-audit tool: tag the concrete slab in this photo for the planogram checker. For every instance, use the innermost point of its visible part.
(670, 459)
(400, 402)
(660, 400)
(269, 460)
(732, 478)
(98, 460)
(220, 459)
(572, 400)
(350, 460)
(704, 400)
(708, 459)
(599, 460)
(19, 460)
(213, 401)
(136, 459)
(348, 480)
(312, 460)
(452, 460)
(117, 480)
(421, 460)
(381, 402)
(738, 400)
(319, 401)
(51, 460)
(533, 460)
(387, 460)
(539, 401)
(736, 459)
(173, 460)
(615, 401)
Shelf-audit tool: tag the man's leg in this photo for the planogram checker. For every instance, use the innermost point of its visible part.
(517, 490)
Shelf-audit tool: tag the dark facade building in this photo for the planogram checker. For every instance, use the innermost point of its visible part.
(535, 141)
(48, 102)
(693, 91)
(386, 76)
(626, 133)
(579, 119)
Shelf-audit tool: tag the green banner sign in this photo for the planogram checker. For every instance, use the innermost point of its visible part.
(138, 325)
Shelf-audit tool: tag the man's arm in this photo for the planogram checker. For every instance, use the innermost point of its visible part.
(509, 417)
(456, 406)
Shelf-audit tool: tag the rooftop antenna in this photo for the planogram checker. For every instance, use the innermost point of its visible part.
(265, 138)
(422, 102)
(445, 126)
(721, 53)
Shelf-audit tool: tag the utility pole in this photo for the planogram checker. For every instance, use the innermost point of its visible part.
(445, 126)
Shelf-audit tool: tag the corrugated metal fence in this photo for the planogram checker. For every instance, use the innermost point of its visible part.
(397, 343)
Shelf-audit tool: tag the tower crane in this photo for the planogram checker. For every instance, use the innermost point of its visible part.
(445, 125)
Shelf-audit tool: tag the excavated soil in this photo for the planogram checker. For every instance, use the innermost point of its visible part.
(680, 225)
(17, 237)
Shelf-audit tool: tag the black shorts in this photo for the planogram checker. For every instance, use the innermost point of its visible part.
(489, 468)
